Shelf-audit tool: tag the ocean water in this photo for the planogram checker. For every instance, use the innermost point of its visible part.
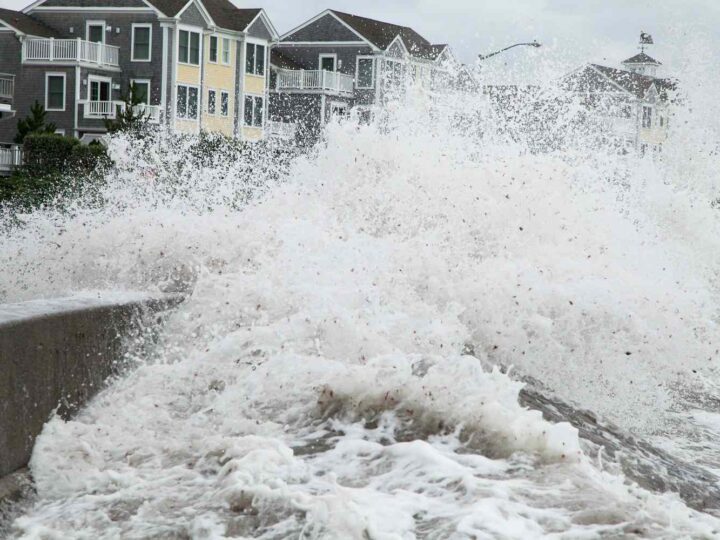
(359, 321)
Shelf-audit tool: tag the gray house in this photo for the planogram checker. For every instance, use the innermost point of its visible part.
(197, 64)
(632, 105)
(337, 61)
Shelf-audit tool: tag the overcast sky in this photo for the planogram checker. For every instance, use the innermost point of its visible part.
(571, 31)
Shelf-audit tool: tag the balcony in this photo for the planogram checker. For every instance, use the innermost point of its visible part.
(65, 51)
(151, 112)
(320, 81)
(100, 109)
(282, 130)
(10, 158)
(7, 86)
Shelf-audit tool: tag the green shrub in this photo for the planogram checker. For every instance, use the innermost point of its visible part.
(47, 153)
(54, 165)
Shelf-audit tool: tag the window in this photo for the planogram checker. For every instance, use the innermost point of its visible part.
(253, 111)
(141, 40)
(55, 92)
(226, 50)
(187, 102)
(99, 90)
(365, 73)
(662, 120)
(95, 31)
(213, 48)
(224, 103)
(212, 99)
(327, 62)
(255, 59)
(189, 47)
(141, 90)
(647, 117)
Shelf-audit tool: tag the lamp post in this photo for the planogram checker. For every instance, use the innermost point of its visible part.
(534, 43)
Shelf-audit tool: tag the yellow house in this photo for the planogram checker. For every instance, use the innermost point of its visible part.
(218, 80)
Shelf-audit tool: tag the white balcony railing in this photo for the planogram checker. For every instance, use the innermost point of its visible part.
(10, 157)
(52, 50)
(100, 109)
(620, 126)
(327, 81)
(7, 85)
(152, 112)
(282, 130)
(108, 109)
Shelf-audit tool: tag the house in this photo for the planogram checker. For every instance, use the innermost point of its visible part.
(336, 62)
(197, 64)
(632, 103)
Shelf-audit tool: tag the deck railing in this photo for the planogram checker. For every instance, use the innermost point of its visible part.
(100, 109)
(321, 80)
(152, 112)
(7, 85)
(10, 157)
(69, 50)
(281, 130)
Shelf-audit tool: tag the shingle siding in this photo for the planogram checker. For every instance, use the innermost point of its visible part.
(9, 63)
(326, 28)
(193, 16)
(62, 21)
(309, 56)
(259, 30)
(305, 110)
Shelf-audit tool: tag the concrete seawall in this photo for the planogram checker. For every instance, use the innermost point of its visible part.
(56, 355)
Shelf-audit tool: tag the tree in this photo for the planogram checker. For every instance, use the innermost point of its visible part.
(35, 123)
(130, 116)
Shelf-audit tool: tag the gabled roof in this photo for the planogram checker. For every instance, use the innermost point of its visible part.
(436, 50)
(226, 15)
(597, 78)
(223, 13)
(25, 24)
(382, 34)
(635, 83)
(169, 8)
(641, 58)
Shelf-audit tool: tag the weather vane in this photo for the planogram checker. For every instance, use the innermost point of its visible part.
(645, 39)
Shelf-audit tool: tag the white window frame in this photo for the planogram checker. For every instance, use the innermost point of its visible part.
(264, 102)
(328, 55)
(227, 113)
(143, 81)
(217, 49)
(357, 72)
(88, 24)
(227, 41)
(190, 30)
(214, 113)
(132, 42)
(187, 100)
(47, 88)
(255, 43)
(649, 117)
(100, 79)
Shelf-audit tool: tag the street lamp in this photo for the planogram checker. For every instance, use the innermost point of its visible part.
(534, 43)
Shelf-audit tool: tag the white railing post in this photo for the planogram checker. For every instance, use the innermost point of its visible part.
(78, 53)
(52, 49)
(302, 79)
